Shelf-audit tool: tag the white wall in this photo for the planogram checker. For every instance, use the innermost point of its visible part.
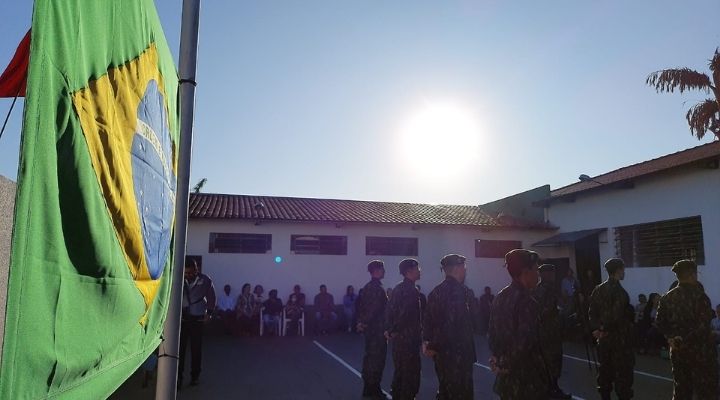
(339, 271)
(679, 194)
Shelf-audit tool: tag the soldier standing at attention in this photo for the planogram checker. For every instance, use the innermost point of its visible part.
(403, 329)
(514, 334)
(611, 321)
(684, 316)
(550, 328)
(371, 321)
(448, 330)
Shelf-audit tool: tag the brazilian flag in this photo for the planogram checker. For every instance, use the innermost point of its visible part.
(90, 268)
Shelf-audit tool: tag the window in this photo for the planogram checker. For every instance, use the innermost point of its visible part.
(314, 244)
(391, 246)
(495, 248)
(240, 243)
(661, 243)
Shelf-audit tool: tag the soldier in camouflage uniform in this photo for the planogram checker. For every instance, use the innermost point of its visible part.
(514, 334)
(370, 306)
(403, 329)
(611, 317)
(683, 316)
(546, 294)
(448, 331)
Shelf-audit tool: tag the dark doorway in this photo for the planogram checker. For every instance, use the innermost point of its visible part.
(587, 261)
(561, 267)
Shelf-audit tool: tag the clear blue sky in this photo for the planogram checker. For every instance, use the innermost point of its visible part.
(306, 98)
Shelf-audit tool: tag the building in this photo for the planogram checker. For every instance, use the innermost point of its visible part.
(281, 241)
(651, 214)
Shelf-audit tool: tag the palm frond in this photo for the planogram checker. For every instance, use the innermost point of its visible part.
(714, 63)
(668, 80)
(703, 117)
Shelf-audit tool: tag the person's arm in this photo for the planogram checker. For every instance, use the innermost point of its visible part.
(210, 297)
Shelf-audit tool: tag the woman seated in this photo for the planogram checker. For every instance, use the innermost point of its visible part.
(293, 312)
(245, 311)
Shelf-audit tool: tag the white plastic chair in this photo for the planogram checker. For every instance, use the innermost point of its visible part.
(280, 327)
(301, 323)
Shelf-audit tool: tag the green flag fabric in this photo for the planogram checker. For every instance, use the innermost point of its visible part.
(90, 266)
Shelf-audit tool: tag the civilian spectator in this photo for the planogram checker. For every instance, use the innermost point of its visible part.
(324, 310)
(293, 312)
(715, 324)
(272, 308)
(245, 310)
(299, 295)
(640, 307)
(568, 287)
(258, 292)
(485, 303)
(349, 307)
(226, 307)
(653, 340)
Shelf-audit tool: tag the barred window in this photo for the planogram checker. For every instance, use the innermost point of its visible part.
(391, 246)
(240, 243)
(315, 244)
(661, 243)
(495, 248)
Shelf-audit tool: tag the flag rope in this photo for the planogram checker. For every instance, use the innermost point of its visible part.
(7, 117)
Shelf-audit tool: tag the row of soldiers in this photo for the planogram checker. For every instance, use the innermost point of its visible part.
(524, 334)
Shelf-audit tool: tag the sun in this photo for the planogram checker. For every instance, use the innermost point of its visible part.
(440, 140)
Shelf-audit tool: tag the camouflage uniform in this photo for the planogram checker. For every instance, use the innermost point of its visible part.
(550, 328)
(370, 306)
(610, 311)
(403, 323)
(448, 327)
(686, 312)
(514, 340)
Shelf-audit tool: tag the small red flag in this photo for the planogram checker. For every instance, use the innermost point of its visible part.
(14, 79)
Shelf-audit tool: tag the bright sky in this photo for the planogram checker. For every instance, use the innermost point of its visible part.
(318, 98)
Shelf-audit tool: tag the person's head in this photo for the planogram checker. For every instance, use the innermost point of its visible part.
(293, 298)
(323, 289)
(273, 294)
(654, 299)
(547, 272)
(227, 289)
(615, 268)
(259, 290)
(191, 269)
(686, 271)
(570, 273)
(410, 269)
(522, 265)
(642, 299)
(246, 288)
(296, 289)
(350, 289)
(454, 266)
(376, 268)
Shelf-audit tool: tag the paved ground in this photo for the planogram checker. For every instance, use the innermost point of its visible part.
(326, 367)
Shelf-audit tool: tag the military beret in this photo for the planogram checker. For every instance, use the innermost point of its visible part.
(614, 264)
(547, 268)
(451, 260)
(407, 264)
(519, 259)
(375, 264)
(684, 266)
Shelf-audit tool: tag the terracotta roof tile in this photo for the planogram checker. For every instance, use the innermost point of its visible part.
(674, 160)
(229, 206)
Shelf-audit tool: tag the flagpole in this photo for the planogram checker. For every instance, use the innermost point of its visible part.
(166, 388)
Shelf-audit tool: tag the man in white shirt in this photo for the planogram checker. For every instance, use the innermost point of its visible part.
(226, 307)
